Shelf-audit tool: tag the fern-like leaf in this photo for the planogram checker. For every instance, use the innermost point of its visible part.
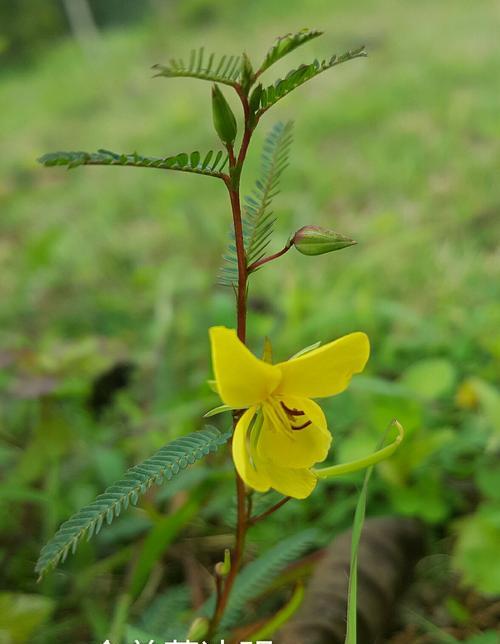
(256, 577)
(296, 77)
(164, 615)
(165, 464)
(212, 164)
(228, 272)
(285, 44)
(258, 219)
(225, 70)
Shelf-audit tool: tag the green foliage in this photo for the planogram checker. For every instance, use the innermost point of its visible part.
(270, 95)
(22, 615)
(430, 379)
(488, 637)
(212, 164)
(285, 44)
(165, 464)
(415, 180)
(257, 575)
(486, 396)
(477, 546)
(225, 70)
(162, 616)
(357, 528)
(160, 537)
(26, 27)
(258, 220)
(229, 70)
(488, 476)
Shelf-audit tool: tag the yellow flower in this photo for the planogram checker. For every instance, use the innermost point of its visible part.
(282, 433)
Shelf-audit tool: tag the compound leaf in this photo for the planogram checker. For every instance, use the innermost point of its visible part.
(165, 464)
(258, 219)
(225, 70)
(270, 95)
(183, 162)
(285, 44)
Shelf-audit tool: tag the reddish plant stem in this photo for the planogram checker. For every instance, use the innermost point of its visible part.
(247, 135)
(230, 152)
(249, 128)
(244, 101)
(241, 295)
(218, 586)
(223, 593)
(272, 509)
(233, 185)
(269, 258)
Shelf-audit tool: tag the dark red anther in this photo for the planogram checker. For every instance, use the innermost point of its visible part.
(292, 412)
(301, 426)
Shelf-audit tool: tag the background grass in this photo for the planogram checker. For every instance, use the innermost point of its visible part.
(106, 265)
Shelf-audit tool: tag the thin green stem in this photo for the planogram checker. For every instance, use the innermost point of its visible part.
(362, 463)
(120, 615)
(282, 616)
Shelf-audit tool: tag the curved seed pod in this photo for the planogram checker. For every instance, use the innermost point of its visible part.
(389, 548)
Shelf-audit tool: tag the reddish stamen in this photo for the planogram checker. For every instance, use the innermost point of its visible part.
(292, 412)
(301, 426)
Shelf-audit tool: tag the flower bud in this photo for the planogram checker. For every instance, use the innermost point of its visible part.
(247, 72)
(313, 240)
(224, 119)
(255, 96)
(223, 568)
(198, 629)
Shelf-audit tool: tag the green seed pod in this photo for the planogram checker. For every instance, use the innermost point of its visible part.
(224, 119)
(313, 240)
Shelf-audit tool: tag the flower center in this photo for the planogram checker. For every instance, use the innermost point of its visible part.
(292, 413)
(275, 416)
(283, 418)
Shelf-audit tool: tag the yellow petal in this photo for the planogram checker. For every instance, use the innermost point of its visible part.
(295, 448)
(297, 483)
(253, 474)
(262, 475)
(242, 379)
(325, 371)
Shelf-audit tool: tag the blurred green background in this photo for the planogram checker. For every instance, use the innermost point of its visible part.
(108, 279)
